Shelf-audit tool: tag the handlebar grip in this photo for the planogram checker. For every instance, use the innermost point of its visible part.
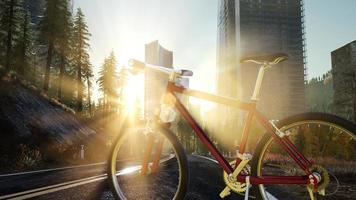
(185, 72)
(137, 66)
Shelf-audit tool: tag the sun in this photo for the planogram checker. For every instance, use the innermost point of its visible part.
(133, 95)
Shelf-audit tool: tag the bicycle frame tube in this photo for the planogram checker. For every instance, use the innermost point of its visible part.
(303, 162)
(172, 88)
(286, 144)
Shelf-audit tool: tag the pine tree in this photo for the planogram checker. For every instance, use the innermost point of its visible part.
(24, 45)
(88, 75)
(51, 32)
(69, 82)
(10, 25)
(108, 80)
(81, 56)
(64, 45)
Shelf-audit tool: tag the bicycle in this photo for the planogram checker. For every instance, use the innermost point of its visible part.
(298, 157)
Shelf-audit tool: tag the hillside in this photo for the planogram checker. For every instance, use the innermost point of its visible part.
(31, 125)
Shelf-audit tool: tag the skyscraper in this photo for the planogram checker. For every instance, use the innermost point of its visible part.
(155, 82)
(344, 80)
(250, 27)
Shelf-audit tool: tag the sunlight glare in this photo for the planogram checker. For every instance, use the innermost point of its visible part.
(133, 94)
(129, 170)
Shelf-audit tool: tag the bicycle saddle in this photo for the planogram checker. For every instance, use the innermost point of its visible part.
(270, 59)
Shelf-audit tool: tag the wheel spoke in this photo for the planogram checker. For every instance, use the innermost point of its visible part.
(157, 172)
(331, 147)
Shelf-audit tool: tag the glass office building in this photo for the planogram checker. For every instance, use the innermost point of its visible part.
(249, 27)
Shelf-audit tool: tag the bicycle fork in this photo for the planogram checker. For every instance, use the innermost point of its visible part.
(147, 166)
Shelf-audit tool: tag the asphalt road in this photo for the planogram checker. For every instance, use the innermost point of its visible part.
(206, 182)
(36, 179)
(90, 182)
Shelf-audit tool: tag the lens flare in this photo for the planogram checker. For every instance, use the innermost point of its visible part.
(129, 170)
(133, 93)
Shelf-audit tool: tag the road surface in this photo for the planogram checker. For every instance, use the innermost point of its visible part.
(206, 183)
(89, 182)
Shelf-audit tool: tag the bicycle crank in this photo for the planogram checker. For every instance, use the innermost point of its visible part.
(230, 179)
(231, 182)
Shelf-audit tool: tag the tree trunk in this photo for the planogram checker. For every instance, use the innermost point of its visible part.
(79, 89)
(61, 75)
(24, 46)
(105, 103)
(48, 67)
(34, 71)
(9, 35)
(89, 100)
(79, 78)
(354, 96)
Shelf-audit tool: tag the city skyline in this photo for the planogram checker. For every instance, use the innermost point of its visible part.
(192, 25)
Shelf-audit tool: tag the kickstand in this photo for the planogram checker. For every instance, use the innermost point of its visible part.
(247, 187)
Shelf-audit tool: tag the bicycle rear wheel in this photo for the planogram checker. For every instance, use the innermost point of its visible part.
(148, 166)
(327, 140)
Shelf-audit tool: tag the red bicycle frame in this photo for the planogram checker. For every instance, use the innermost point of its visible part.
(284, 142)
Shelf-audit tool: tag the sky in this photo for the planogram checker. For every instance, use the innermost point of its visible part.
(330, 24)
(189, 29)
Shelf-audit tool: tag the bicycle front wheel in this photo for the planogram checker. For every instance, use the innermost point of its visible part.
(326, 140)
(148, 166)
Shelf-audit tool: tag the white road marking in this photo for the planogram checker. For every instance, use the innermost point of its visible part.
(53, 188)
(66, 185)
(53, 169)
(206, 158)
(270, 196)
(70, 184)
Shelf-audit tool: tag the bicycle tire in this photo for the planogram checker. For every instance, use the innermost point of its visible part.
(259, 191)
(179, 155)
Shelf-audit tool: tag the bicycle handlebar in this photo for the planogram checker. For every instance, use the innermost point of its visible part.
(140, 66)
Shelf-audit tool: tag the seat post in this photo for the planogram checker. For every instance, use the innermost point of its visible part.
(256, 91)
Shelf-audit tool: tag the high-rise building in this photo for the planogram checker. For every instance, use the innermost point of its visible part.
(344, 80)
(254, 27)
(155, 83)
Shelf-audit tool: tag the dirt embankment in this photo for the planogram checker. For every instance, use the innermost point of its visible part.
(35, 129)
